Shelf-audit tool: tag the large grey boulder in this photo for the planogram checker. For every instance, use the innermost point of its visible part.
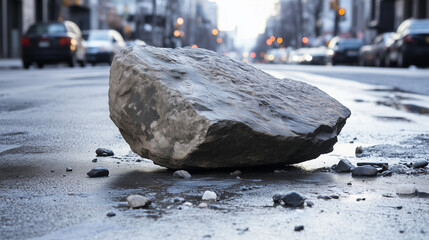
(192, 108)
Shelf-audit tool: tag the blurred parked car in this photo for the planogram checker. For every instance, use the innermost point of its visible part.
(312, 56)
(343, 51)
(410, 44)
(102, 45)
(276, 55)
(136, 42)
(374, 53)
(53, 42)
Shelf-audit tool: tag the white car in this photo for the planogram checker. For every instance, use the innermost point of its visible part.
(102, 45)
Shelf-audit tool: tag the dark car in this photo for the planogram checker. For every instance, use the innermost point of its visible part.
(102, 45)
(410, 45)
(343, 51)
(53, 42)
(373, 54)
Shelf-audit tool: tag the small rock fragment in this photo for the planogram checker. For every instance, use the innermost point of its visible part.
(344, 165)
(399, 169)
(299, 228)
(277, 198)
(349, 183)
(182, 174)
(98, 172)
(406, 189)
(235, 173)
(378, 164)
(324, 197)
(335, 196)
(387, 173)
(420, 164)
(137, 201)
(364, 171)
(203, 205)
(359, 150)
(309, 203)
(179, 200)
(69, 169)
(187, 204)
(111, 214)
(94, 160)
(104, 152)
(293, 199)
(209, 195)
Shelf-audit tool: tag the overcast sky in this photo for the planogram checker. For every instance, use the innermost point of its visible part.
(249, 16)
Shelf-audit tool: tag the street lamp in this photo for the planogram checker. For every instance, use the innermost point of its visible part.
(219, 40)
(279, 40)
(215, 32)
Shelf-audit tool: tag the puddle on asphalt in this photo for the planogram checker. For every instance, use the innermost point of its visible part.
(396, 99)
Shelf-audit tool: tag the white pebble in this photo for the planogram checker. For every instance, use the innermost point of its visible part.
(406, 189)
(209, 195)
(137, 201)
(189, 204)
(235, 173)
(203, 205)
(182, 174)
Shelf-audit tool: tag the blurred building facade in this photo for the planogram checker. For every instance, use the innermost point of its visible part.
(153, 21)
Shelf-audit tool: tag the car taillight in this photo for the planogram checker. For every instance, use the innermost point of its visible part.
(25, 41)
(65, 41)
(408, 39)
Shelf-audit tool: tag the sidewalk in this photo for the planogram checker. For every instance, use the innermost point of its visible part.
(10, 63)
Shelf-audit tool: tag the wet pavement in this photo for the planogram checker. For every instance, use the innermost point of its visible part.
(53, 119)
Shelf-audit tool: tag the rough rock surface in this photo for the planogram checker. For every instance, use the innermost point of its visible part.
(192, 108)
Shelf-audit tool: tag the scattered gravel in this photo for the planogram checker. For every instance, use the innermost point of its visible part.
(420, 164)
(343, 165)
(104, 152)
(98, 172)
(299, 228)
(203, 205)
(293, 199)
(138, 201)
(364, 171)
(406, 189)
(209, 195)
(111, 214)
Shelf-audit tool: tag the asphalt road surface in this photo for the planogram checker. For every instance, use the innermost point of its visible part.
(56, 118)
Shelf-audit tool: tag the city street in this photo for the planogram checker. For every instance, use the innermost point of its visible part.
(55, 118)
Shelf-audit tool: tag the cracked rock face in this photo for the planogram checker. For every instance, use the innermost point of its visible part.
(192, 108)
